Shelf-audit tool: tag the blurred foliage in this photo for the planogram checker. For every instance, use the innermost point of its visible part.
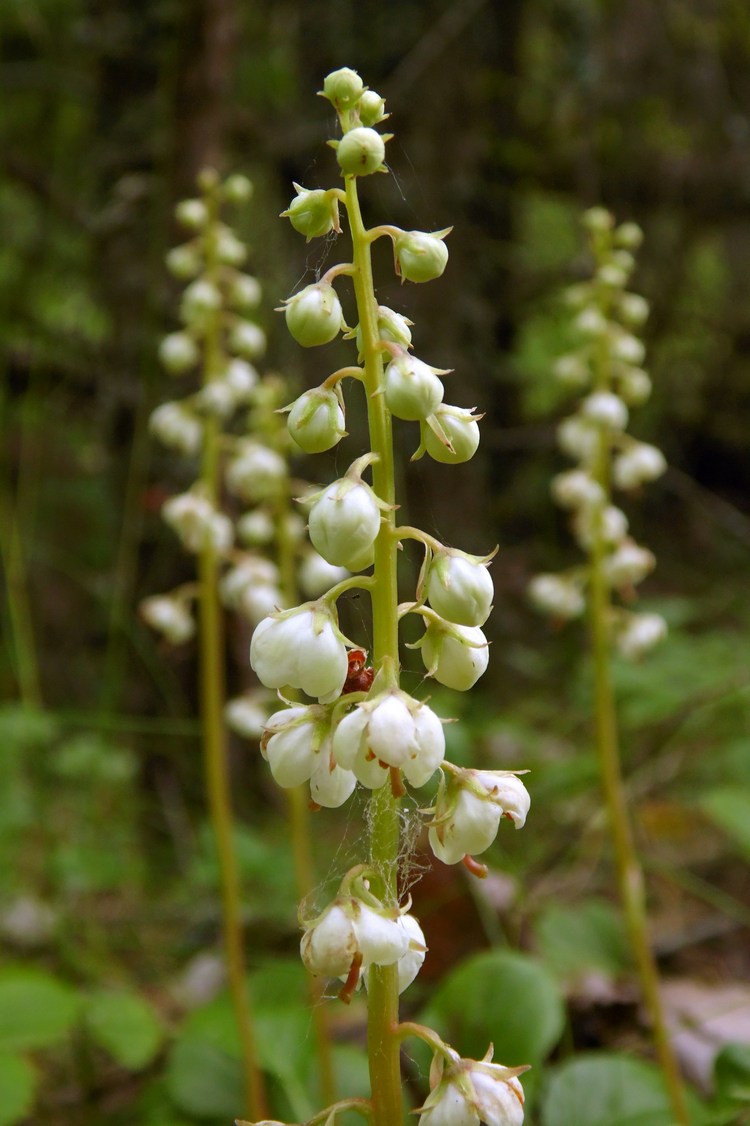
(512, 117)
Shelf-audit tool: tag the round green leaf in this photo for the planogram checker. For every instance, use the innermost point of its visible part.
(204, 1081)
(503, 998)
(36, 1009)
(573, 940)
(17, 1084)
(126, 1026)
(606, 1090)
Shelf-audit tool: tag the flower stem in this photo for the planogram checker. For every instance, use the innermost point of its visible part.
(212, 693)
(382, 1000)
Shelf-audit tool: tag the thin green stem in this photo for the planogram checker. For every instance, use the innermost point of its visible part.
(213, 695)
(382, 999)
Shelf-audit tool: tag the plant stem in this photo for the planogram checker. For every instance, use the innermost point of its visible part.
(382, 998)
(212, 691)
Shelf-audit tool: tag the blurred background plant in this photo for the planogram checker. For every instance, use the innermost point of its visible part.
(512, 119)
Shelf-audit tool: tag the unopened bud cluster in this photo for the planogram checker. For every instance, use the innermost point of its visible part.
(606, 369)
(358, 727)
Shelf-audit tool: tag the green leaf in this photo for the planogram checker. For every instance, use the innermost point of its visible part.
(203, 1080)
(17, 1084)
(732, 1074)
(606, 1090)
(503, 998)
(576, 939)
(36, 1009)
(126, 1026)
(728, 807)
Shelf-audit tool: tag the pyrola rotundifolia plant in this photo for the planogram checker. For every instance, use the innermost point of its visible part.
(606, 370)
(351, 724)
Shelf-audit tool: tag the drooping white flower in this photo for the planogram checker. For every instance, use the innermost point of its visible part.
(316, 575)
(393, 730)
(198, 524)
(469, 808)
(349, 929)
(628, 564)
(175, 425)
(605, 409)
(296, 743)
(412, 388)
(302, 647)
(470, 1092)
(170, 616)
(557, 595)
(639, 463)
(576, 488)
(256, 473)
(639, 633)
(455, 655)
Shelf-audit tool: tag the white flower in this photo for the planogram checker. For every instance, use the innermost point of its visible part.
(344, 522)
(316, 575)
(314, 315)
(392, 729)
(410, 962)
(459, 588)
(471, 1092)
(557, 595)
(455, 655)
(251, 587)
(639, 463)
(256, 473)
(256, 528)
(578, 438)
(302, 647)
(178, 352)
(634, 386)
(469, 809)
(170, 616)
(451, 434)
(628, 348)
(575, 488)
(639, 634)
(247, 340)
(628, 564)
(245, 292)
(197, 523)
(610, 524)
(571, 370)
(316, 420)
(216, 398)
(297, 745)
(175, 425)
(247, 715)
(606, 409)
(200, 298)
(242, 378)
(349, 928)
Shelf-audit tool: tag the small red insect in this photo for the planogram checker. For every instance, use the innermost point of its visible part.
(359, 677)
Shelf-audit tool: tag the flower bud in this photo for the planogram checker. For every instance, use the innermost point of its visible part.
(469, 808)
(571, 370)
(183, 262)
(360, 152)
(242, 378)
(605, 409)
(598, 219)
(344, 523)
(178, 352)
(316, 420)
(343, 88)
(637, 464)
(313, 213)
(556, 595)
(197, 523)
(628, 564)
(251, 587)
(575, 488)
(634, 386)
(199, 299)
(169, 616)
(578, 438)
(256, 528)
(392, 326)
(291, 742)
(245, 292)
(257, 473)
(633, 309)
(394, 729)
(639, 634)
(230, 250)
(421, 256)
(303, 648)
(371, 108)
(192, 213)
(459, 588)
(612, 275)
(609, 524)
(216, 398)
(314, 315)
(412, 388)
(175, 425)
(455, 655)
(246, 715)
(316, 575)
(247, 339)
(461, 435)
(629, 236)
(591, 322)
(237, 188)
(628, 349)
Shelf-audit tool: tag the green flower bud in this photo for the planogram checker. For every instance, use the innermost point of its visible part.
(316, 420)
(629, 236)
(314, 315)
(313, 213)
(451, 435)
(183, 262)
(412, 388)
(237, 189)
(343, 88)
(597, 219)
(229, 249)
(245, 292)
(371, 108)
(200, 298)
(248, 340)
(192, 213)
(421, 256)
(455, 655)
(360, 152)
(178, 352)
(391, 326)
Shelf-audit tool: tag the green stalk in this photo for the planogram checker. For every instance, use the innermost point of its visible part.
(382, 996)
(213, 695)
(630, 879)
